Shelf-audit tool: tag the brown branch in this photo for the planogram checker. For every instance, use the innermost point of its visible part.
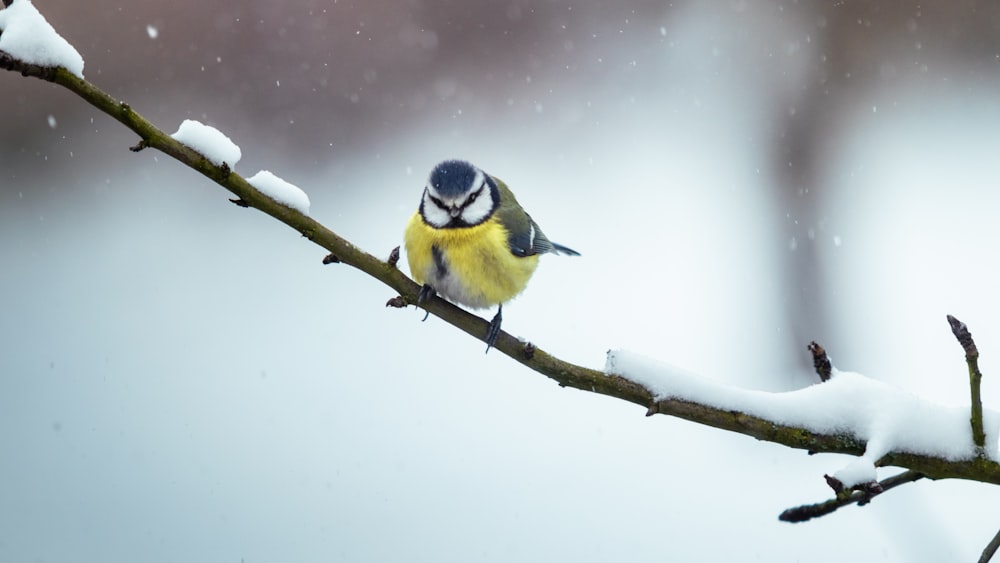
(861, 497)
(964, 337)
(564, 373)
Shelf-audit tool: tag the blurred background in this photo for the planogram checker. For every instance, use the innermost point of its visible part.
(182, 380)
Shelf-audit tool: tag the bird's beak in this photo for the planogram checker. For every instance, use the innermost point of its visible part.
(454, 211)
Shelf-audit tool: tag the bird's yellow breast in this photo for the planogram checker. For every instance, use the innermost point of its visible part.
(472, 266)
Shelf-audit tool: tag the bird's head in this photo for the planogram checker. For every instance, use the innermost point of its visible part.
(458, 194)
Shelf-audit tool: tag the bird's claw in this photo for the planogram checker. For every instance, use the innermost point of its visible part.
(493, 331)
(426, 293)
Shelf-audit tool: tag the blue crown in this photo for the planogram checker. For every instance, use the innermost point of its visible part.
(452, 178)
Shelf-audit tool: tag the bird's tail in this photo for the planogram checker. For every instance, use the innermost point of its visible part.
(560, 249)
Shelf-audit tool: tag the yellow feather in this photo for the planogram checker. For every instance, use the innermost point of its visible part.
(481, 270)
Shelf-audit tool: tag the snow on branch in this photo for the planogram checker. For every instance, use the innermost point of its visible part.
(209, 141)
(865, 418)
(27, 36)
(280, 191)
(886, 419)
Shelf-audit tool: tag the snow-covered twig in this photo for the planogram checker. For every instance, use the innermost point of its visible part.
(849, 414)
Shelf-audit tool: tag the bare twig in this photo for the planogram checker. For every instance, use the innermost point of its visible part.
(964, 337)
(991, 548)
(861, 497)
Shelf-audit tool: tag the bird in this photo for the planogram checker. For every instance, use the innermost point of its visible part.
(472, 243)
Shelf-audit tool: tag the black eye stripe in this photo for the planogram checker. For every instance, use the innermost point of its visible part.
(437, 202)
(473, 197)
(468, 201)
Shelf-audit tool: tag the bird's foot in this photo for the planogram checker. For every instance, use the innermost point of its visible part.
(426, 293)
(494, 329)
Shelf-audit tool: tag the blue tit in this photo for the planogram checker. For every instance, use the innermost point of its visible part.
(471, 242)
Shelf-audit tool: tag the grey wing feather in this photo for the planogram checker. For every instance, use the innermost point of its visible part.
(522, 243)
(534, 241)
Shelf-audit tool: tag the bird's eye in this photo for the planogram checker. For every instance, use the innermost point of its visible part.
(473, 197)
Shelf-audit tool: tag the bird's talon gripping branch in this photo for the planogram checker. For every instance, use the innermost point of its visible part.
(394, 257)
(139, 146)
(426, 293)
(330, 259)
(396, 302)
(494, 329)
(240, 202)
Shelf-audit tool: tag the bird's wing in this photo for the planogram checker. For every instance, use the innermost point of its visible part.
(524, 237)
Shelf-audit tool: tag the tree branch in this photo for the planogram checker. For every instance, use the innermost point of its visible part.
(991, 549)
(564, 373)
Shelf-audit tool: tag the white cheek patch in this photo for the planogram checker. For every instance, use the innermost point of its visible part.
(479, 180)
(434, 215)
(479, 210)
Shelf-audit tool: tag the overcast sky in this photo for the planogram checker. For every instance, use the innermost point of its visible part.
(182, 380)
